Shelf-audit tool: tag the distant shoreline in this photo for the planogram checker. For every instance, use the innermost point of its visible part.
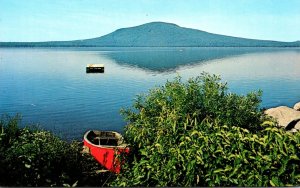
(158, 34)
(17, 46)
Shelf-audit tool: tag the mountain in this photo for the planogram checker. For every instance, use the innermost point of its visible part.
(159, 34)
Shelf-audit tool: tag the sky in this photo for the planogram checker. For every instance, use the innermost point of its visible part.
(60, 20)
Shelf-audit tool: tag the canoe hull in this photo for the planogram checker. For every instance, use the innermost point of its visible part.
(106, 154)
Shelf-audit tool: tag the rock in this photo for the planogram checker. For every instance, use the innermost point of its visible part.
(293, 130)
(286, 117)
(85, 149)
(297, 126)
(297, 106)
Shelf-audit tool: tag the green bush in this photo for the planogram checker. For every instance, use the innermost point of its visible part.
(199, 134)
(34, 157)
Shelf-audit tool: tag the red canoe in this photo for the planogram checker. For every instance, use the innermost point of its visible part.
(104, 145)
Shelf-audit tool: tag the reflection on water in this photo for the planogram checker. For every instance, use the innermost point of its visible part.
(166, 59)
(51, 87)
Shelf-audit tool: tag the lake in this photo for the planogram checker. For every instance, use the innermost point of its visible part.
(49, 86)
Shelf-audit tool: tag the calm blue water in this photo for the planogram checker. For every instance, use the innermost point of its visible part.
(50, 86)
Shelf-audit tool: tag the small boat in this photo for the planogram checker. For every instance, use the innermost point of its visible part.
(104, 145)
(94, 68)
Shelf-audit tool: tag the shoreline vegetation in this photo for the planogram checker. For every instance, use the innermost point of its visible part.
(31, 156)
(192, 133)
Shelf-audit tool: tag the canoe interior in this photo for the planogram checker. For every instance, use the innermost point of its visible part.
(105, 138)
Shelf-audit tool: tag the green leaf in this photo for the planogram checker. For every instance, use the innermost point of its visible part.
(75, 184)
(196, 132)
(157, 145)
(268, 123)
(289, 185)
(272, 183)
(297, 176)
(218, 170)
(295, 157)
(66, 185)
(174, 126)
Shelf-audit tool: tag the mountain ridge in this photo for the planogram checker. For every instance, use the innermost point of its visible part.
(158, 34)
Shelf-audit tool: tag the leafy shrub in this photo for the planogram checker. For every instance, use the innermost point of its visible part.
(201, 97)
(34, 157)
(9, 130)
(199, 134)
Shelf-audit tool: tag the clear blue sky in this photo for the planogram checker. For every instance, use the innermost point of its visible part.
(47, 20)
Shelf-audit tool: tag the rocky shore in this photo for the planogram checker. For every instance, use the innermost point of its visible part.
(287, 117)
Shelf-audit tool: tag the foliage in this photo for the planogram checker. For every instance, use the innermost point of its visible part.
(202, 97)
(198, 134)
(34, 157)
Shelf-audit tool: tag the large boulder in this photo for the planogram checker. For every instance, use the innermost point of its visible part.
(286, 117)
(297, 126)
(297, 106)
